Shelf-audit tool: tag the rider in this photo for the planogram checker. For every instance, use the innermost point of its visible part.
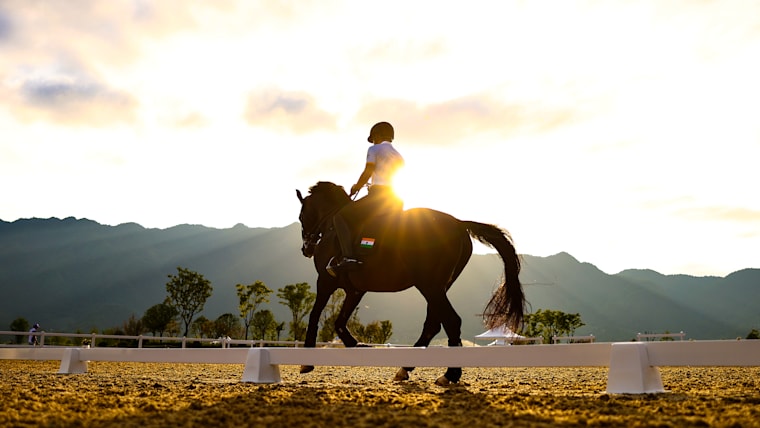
(33, 340)
(383, 161)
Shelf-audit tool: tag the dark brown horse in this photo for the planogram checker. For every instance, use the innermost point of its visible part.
(420, 248)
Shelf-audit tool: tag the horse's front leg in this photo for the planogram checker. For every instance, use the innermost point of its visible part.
(353, 297)
(324, 291)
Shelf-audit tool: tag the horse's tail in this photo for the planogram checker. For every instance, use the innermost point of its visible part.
(507, 302)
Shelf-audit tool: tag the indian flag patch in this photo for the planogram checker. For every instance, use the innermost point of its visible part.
(367, 242)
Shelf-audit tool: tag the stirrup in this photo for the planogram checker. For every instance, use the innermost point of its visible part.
(348, 263)
(331, 265)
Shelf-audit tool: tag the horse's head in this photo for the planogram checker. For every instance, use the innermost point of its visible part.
(309, 225)
(317, 210)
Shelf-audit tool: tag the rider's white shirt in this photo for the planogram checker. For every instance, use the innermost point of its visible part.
(387, 162)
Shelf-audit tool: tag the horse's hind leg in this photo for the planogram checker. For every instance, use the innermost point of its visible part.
(452, 324)
(430, 328)
(440, 311)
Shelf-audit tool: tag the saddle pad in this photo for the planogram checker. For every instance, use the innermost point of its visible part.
(375, 234)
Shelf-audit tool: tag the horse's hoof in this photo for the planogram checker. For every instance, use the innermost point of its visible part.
(443, 381)
(306, 369)
(401, 375)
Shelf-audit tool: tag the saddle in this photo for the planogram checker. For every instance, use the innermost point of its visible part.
(399, 237)
(369, 239)
(376, 234)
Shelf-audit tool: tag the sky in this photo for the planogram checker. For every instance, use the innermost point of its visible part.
(623, 133)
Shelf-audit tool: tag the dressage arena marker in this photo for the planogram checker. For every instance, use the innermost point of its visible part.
(633, 366)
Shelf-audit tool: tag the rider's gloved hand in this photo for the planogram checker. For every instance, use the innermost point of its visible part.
(355, 189)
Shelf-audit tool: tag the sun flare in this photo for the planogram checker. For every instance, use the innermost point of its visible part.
(418, 190)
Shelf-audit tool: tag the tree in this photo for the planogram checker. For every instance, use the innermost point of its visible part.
(279, 328)
(329, 315)
(374, 332)
(158, 317)
(202, 327)
(251, 296)
(299, 299)
(263, 322)
(19, 324)
(133, 326)
(570, 322)
(188, 292)
(173, 328)
(754, 334)
(548, 323)
(227, 325)
(113, 331)
(386, 331)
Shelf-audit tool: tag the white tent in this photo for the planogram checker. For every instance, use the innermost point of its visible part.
(500, 335)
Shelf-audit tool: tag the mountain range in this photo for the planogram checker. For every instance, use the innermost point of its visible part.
(75, 274)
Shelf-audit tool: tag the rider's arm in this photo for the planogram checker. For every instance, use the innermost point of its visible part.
(369, 168)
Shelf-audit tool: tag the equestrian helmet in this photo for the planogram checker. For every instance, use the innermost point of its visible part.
(381, 130)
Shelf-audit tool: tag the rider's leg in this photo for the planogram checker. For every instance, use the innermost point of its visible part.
(344, 234)
(343, 230)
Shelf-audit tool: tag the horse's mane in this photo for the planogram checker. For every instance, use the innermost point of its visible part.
(331, 191)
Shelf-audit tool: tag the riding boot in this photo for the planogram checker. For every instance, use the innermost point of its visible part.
(343, 230)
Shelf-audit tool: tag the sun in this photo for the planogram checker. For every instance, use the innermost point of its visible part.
(420, 191)
(417, 190)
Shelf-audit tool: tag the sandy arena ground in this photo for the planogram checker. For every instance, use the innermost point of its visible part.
(148, 395)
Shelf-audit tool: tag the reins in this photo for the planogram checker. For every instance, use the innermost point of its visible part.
(315, 233)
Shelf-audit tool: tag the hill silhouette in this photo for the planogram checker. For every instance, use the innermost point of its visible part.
(71, 274)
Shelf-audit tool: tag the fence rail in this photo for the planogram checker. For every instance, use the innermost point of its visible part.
(574, 339)
(633, 366)
(223, 342)
(660, 336)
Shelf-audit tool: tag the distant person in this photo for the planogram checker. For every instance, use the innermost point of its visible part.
(383, 161)
(33, 339)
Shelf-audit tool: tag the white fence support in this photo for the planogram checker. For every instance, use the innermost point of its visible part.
(630, 370)
(71, 362)
(259, 368)
(633, 366)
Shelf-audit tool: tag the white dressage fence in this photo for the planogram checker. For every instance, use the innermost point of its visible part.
(574, 339)
(93, 338)
(633, 366)
(660, 336)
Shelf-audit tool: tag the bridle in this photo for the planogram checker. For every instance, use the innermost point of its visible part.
(311, 239)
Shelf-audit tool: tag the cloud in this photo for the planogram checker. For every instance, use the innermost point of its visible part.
(400, 51)
(690, 208)
(5, 26)
(722, 213)
(291, 111)
(56, 56)
(66, 97)
(458, 120)
(191, 120)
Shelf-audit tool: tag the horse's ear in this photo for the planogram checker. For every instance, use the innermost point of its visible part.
(298, 193)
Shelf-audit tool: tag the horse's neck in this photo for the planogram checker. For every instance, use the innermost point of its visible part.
(328, 244)
(328, 230)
